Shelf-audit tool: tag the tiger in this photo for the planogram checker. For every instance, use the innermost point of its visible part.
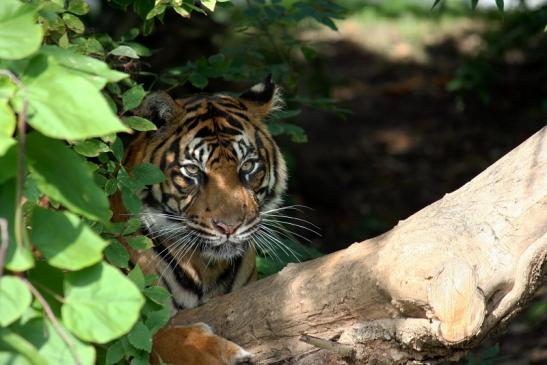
(223, 170)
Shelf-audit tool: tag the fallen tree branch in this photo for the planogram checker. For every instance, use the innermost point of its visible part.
(428, 290)
(331, 346)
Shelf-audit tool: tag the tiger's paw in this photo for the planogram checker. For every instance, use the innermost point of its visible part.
(198, 345)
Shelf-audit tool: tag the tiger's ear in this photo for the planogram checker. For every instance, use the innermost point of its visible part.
(159, 107)
(263, 98)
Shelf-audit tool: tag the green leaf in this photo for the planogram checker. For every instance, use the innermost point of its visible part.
(142, 7)
(132, 98)
(198, 80)
(17, 258)
(140, 337)
(20, 35)
(64, 240)
(94, 70)
(151, 279)
(117, 149)
(128, 181)
(500, 5)
(91, 147)
(43, 275)
(5, 144)
(115, 353)
(131, 226)
(297, 133)
(101, 304)
(12, 358)
(51, 346)
(147, 174)
(14, 343)
(63, 41)
(157, 319)
(140, 359)
(139, 242)
(156, 10)
(8, 161)
(137, 277)
(182, 11)
(15, 298)
(117, 255)
(216, 59)
(130, 200)
(141, 50)
(78, 7)
(284, 114)
(73, 23)
(309, 53)
(474, 4)
(128, 348)
(110, 187)
(7, 85)
(7, 119)
(435, 3)
(124, 51)
(87, 46)
(209, 4)
(30, 190)
(139, 124)
(77, 110)
(157, 294)
(63, 176)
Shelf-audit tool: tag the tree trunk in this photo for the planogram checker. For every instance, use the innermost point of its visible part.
(427, 290)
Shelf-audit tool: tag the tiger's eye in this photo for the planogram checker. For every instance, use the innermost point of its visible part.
(191, 169)
(248, 166)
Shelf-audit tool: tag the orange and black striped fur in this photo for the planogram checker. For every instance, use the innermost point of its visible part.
(223, 169)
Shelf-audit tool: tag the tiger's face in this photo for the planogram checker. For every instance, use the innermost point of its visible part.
(222, 168)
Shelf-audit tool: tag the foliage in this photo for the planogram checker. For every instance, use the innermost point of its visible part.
(67, 294)
(519, 33)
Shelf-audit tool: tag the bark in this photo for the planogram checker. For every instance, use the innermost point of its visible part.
(427, 290)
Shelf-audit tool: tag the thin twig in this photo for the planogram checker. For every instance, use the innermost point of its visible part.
(21, 136)
(335, 347)
(51, 316)
(55, 296)
(4, 244)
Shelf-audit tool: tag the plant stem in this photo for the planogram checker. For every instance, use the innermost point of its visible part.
(21, 128)
(51, 316)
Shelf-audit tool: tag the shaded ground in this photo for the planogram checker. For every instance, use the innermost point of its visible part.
(409, 141)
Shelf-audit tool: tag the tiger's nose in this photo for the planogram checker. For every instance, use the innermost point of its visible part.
(226, 228)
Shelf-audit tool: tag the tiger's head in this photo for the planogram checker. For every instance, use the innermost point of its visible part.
(222, 167)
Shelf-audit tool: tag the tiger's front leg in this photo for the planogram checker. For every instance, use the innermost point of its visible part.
(195, 345)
